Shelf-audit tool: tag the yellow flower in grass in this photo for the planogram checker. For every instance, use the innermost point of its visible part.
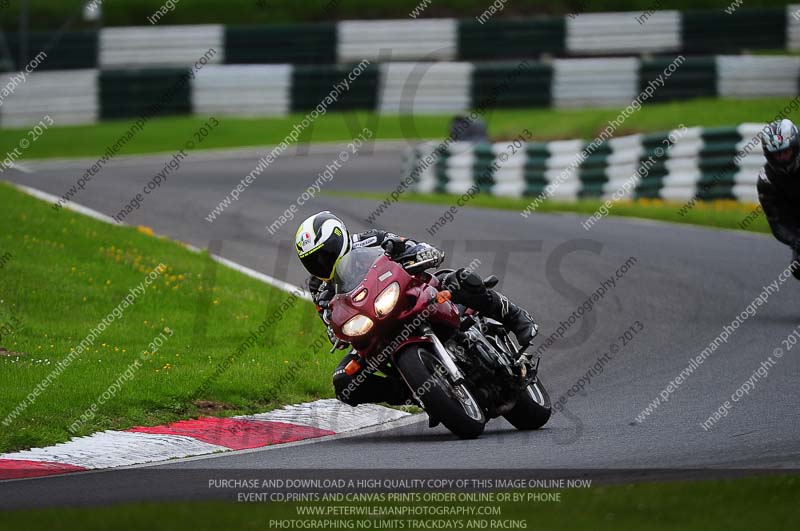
(145, 230)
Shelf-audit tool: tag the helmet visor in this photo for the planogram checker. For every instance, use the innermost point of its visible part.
(321, 262)
(783, 158)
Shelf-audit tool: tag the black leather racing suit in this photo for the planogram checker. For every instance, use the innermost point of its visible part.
(368, 386)
(779, 195)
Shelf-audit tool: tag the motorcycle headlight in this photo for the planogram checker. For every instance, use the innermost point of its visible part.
(387, 300)
(357, 326)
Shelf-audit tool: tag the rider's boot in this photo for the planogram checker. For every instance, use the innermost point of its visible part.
(514, 318)
(468, 289)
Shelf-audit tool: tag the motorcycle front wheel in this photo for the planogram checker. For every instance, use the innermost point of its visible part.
(453, 405)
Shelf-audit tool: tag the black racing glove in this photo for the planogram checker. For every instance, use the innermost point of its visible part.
(341, 345)
(427, 252)
(323, 295)
(394, 246)
(462, 280)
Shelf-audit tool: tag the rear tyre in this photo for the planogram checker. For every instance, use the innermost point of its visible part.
(454, 406)
(532, 410)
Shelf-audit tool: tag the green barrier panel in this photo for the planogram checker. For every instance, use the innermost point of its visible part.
(157, 92)
(652, 166)
(534, 163)
(67, 51)
(483, 167)
(696, 77)
(713, 186)
(713, 161)
(506, 39)
(512, 85)
(718, 32)
(653, 192)
(440, 171)
(594, 175)
(535, 178)
(295, 44)
(591, 190)
(653, 140)
(535, 189)
(591, 172)
(721, 134)
(651, 185)
(311, 84)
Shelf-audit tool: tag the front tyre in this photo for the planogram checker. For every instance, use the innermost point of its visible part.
(532, 410)
(453, 405)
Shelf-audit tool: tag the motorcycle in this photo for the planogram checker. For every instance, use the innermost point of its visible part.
(462, 368)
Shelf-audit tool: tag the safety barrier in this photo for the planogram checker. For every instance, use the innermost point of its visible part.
(400, 87)
(69, 97)
(686, 163)
(446, 39)
(243, 90)
(157, 46)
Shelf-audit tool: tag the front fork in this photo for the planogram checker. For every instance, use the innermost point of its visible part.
(444, 355)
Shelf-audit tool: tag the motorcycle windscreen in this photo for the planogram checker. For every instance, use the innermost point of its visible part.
(354, 266)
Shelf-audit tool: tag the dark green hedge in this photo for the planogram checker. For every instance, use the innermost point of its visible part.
(51, 14)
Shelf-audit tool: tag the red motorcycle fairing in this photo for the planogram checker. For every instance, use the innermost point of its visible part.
(417, 301)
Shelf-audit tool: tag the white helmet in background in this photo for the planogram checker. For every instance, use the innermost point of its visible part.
(781, 144)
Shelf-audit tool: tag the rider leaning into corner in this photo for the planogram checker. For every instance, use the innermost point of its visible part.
(323, 241)
(779, 184)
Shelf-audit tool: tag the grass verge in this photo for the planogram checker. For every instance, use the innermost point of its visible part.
(64, 272)
(720, 214)
(169, 134)
(729, 505)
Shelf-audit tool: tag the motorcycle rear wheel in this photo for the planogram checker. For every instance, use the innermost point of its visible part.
(454, 406)
(533, 408)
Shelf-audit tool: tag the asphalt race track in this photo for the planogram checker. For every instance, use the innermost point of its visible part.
(683, 287)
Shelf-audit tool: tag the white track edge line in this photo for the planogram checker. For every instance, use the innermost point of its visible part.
(252, 273)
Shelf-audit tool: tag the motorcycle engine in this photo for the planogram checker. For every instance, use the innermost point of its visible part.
(487, 369)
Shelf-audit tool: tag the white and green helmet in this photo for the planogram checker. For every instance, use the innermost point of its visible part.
(321, 242)
(781, 144)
